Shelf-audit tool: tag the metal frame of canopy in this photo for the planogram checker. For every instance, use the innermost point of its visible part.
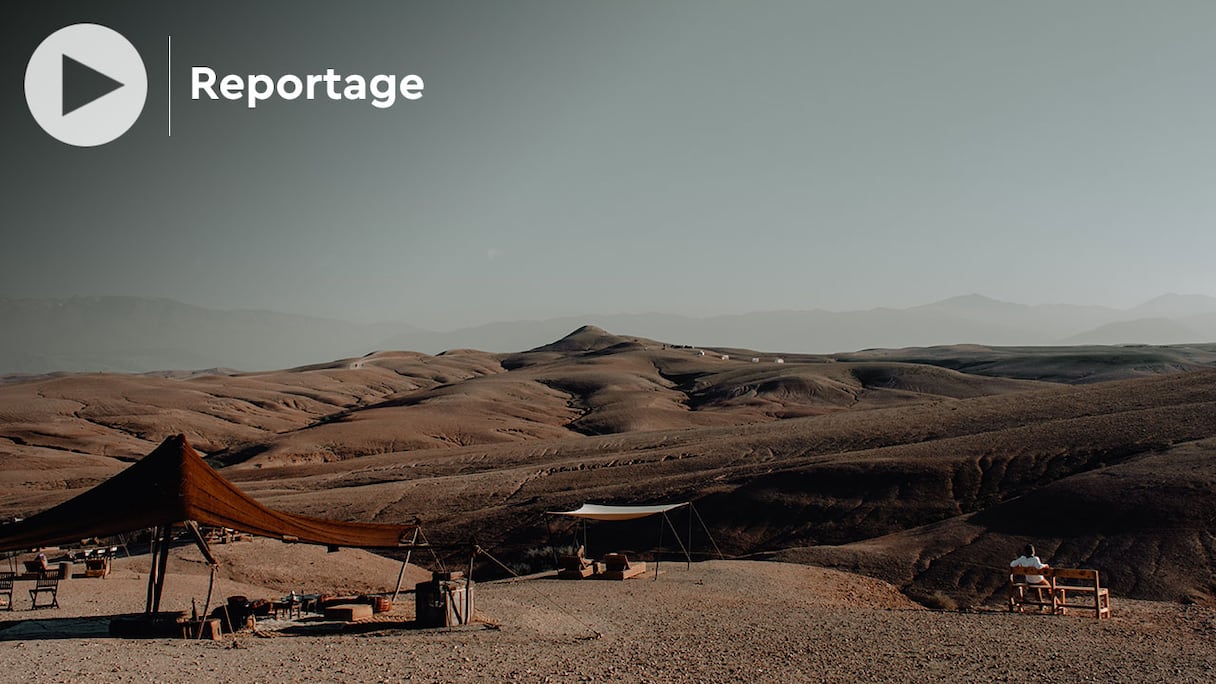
(621, 513)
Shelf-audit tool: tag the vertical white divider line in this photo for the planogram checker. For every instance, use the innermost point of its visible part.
(169, 96)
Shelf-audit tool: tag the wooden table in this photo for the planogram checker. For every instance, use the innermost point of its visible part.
(292, 608)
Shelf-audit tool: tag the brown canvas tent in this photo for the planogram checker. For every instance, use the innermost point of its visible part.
(174, 486)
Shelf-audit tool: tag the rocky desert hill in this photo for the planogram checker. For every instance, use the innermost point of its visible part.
(927, 468)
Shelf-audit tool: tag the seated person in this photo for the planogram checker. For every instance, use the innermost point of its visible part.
(576, 562)
(1029, 559)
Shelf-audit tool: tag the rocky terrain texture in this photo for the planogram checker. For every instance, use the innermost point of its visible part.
(926, 468)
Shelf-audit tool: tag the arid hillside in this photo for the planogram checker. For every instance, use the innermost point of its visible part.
(927, 468)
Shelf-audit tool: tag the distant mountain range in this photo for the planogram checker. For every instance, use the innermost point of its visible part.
(129, 334)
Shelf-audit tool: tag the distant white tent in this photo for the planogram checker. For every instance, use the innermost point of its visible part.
(619, 513)
(597, 512)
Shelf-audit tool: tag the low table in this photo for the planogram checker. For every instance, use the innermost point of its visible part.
(292, 608)
(311, 603)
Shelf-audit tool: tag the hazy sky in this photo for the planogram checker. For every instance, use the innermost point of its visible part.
(690, 157)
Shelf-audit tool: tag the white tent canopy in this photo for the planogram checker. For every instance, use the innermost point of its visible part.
(620, 513)
(597, 512)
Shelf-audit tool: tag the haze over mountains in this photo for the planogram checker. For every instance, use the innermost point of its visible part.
(127, 334)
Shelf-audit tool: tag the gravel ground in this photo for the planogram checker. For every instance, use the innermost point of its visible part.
(723, 621)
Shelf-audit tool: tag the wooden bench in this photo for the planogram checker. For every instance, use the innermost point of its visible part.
(1086, 589)
(1084, 586)
(45, 585)
(1024, 593)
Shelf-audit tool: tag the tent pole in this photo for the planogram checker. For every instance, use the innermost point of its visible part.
(688, 551)
(468, 587)
(438, 561)
(162, 565)
(153, 551)
(207, 604)
(201, 542)
(679, 541)
(658, 554)
(401, 575)
(707, 534)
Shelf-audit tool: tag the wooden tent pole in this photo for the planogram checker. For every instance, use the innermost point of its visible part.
(207, 604)
(153, 552)
(162, 565)
(401, 575)
(201, 542)
(434, 556)
(468, 586)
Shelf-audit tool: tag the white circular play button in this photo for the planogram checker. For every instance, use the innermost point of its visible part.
(86, 85)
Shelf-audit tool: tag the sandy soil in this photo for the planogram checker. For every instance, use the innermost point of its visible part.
(739, 621)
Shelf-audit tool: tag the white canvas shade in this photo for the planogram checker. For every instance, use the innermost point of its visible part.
(597, 512)
(620, 513)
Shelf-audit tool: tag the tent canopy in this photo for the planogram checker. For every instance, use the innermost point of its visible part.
(597, 512)
(174, 485)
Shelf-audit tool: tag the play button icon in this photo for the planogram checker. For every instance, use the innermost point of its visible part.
(86, 85)
(83, 84)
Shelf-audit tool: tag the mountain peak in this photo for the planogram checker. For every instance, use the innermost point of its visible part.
(585, 338)
(589, 330)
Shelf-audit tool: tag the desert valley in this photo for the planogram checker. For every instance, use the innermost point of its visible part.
(865, 500)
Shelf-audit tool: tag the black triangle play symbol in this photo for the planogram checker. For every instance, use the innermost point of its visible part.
(83, 84)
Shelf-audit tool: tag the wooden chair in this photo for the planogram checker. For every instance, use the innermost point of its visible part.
(45, 585)
(576, 566)
(1024, 593)
(1085, 587)
(6, 589)
(97, 567)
